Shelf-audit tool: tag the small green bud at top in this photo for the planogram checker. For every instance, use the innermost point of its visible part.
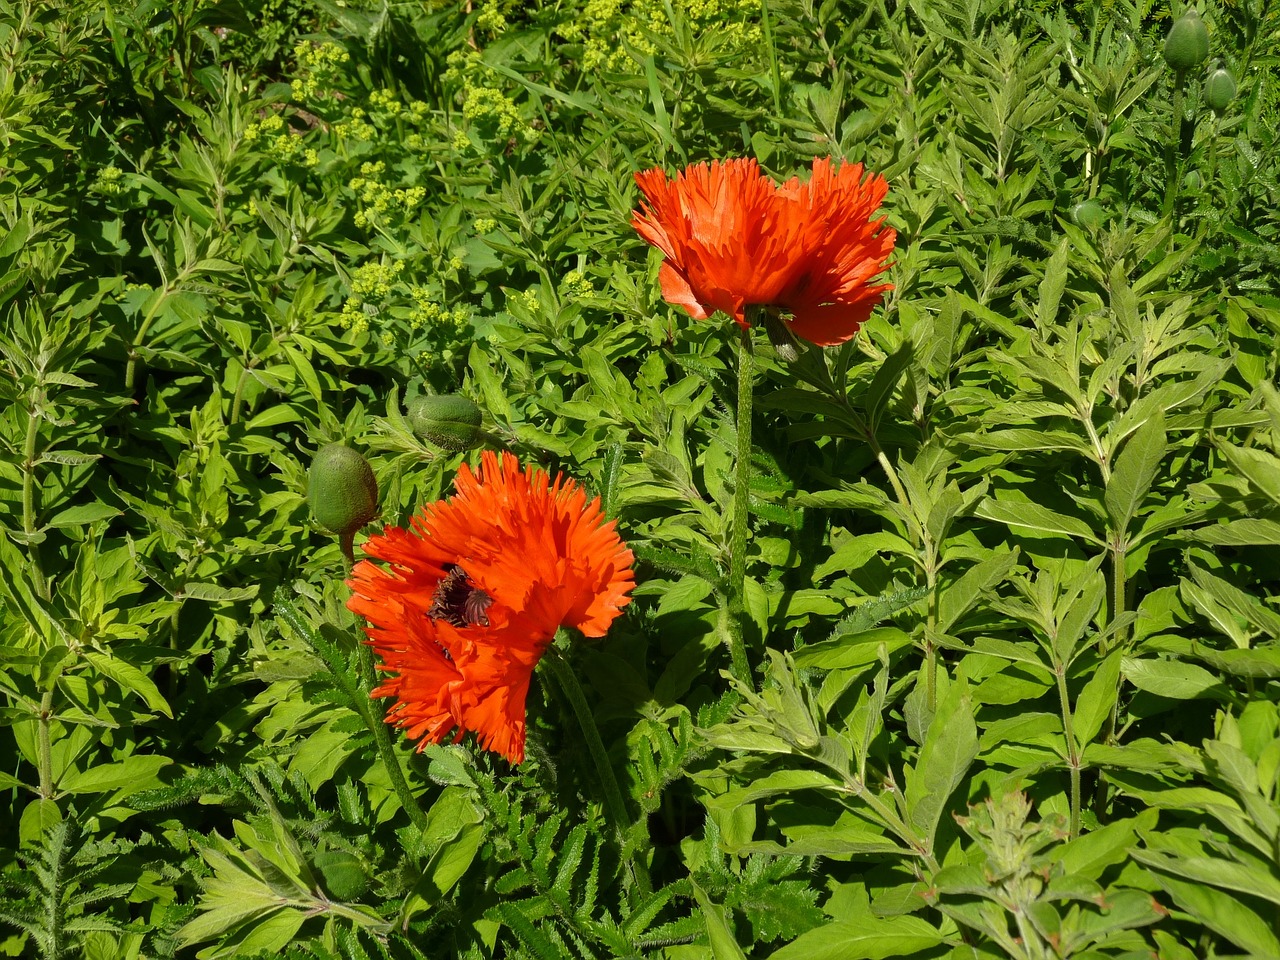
(1089, 214)
(448, 420)
(1187, 43)
(1219, 90)
(341, 489)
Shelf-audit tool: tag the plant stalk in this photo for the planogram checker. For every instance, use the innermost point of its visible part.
(1073, 753)
(615, 806)
(44, 747)
(740, 666)
(29, 496)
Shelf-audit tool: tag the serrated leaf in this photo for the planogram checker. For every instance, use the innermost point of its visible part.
(949, 748)
(869, 938)
(1037, 519)
(1171, 678)
(130, 678)
(1135, 471)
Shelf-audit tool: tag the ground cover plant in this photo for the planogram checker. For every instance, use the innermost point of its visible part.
(932, 621)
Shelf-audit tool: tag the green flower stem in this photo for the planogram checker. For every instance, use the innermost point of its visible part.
(740, 666)
(45, 755)
(1073, 754)
(615, 806)
(29, 494)
(377, 723)
(131, 368)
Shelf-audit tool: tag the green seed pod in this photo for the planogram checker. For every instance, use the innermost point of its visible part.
(341, 489)
(1187, 43)
(1089, 214)
(448, 420)
(1219, 90)
(343, 874)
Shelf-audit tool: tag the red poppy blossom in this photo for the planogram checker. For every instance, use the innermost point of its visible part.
(474, 594)
(733, 239)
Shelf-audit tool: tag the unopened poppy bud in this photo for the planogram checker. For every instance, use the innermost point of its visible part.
(343, 874)
(341, 489)
(1089, 214)
(448, 420)
(1192, 182)
(1219, 90)
(1187, 43)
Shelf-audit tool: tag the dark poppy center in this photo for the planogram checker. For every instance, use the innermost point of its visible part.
(458, 600)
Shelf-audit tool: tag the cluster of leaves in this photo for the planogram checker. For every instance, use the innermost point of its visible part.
(1010, 604)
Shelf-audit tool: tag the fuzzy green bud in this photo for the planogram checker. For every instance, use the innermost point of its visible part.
(448, 420)
(1219, 90)
(1188, 42)
(341, 489)
(343, 874)
(1089, 214)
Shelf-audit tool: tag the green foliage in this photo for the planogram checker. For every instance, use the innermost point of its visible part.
(1011, 600)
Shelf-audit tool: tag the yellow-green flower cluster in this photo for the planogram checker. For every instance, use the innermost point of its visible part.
(356, 127)
(529, 299)
(427, 312)
(108, 181)
(318, 66)
(376, 197)
(485, 225)
(483, 101)
(283, 144)
(602, 24)
(575, 285)
(371, 283)
(491, 18)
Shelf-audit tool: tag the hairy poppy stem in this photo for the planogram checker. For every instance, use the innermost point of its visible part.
(741, 500)
(615, 806)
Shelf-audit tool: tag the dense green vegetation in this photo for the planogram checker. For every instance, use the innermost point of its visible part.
(1011, 587)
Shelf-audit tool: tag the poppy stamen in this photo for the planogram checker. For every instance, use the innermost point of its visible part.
(459, 601)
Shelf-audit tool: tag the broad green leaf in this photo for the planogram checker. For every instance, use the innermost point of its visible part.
(1053, 284)
(949, 748)
(1099, 695)
(1261, 468)
(1171, 678)
(1247, 532)
(1262, 662)
(130, 678)
(1037, 519)
(1222, 913)
(38, 817)
(128, 775)
(724, 946)
(1135, 471)
(870, 938)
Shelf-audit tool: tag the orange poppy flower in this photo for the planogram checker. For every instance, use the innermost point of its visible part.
(733, 239)
(474, 594)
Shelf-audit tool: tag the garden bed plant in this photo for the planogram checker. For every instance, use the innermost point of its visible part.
(639, 479)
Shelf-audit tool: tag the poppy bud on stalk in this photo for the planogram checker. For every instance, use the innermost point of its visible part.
(448, 420)
(1219, 90)
(1089, 214)
(1188, 42)
(341, 490)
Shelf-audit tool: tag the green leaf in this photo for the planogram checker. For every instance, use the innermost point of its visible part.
(128, 776)
(1037, 519)
(882, 384)
(949, 748)
(724, 946)
(1248, 532)
(1262, 469)
(1171, 678)
(869, 938)
(1099, 695)
(83, 515)
(1135, 471)
(1222, 913)
(130, 678)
